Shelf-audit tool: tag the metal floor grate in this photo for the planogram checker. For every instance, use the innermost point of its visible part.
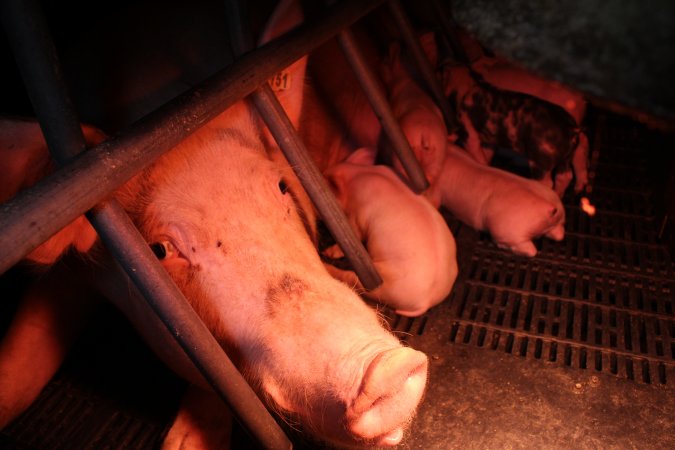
(602, 299)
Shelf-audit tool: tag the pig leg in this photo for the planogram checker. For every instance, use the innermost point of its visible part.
(562, 180)
(580, 163)
(37, 341)
(203, 422)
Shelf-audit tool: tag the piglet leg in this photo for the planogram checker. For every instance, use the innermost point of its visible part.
(580, 163)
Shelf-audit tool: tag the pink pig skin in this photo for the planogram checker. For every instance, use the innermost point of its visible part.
(411, 245)
(514, 210)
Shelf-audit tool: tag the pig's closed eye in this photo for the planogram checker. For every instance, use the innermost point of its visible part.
(164, 250)
(283, 187)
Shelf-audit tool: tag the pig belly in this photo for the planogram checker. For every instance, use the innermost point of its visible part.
(512, 209)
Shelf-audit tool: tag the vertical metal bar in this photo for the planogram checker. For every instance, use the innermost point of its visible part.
(38, 62)
(296, 153)
(422, 62)
(375, 92)
(315, 184)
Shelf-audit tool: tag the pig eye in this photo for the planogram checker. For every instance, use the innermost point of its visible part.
(163, 250)
(283, 187)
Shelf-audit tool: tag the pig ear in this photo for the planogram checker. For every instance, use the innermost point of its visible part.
(288, 83)
(24, 160)
(23, 156)
(78, 234)
(428, 44)
(365, 156)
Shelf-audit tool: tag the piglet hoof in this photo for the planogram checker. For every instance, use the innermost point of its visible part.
(413, 313)
(391, 390)
(526, 248)
(556, 233)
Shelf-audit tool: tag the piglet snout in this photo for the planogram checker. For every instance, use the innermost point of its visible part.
(391, 389)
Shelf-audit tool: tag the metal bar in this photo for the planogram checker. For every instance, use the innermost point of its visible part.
(37, 213)
(450, 33)
(160, 292)
(44, 82)
(376, 95)
(314, 183)
(422, 62)
(296, 153)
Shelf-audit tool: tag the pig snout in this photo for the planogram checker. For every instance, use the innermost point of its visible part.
(327, 363)
(391, 388)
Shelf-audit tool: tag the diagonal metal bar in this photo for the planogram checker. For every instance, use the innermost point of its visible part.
(296, 153)
(377, 97)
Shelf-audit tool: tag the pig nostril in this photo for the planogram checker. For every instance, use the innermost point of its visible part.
(283, 187)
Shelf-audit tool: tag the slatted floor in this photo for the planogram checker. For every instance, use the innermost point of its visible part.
(588, 318)
(574, 348)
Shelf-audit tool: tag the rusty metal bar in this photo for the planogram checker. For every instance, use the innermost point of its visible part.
(37, 213)
(296, 153)
(421, 60)
(38, 62)
(377, 97)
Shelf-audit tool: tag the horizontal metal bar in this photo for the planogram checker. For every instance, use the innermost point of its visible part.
(375, 93)
(421, 61)
(38, 212)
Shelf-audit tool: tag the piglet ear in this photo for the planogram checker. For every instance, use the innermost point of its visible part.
(364, 156)
(78, 234)
(24, 160)
(288, 83)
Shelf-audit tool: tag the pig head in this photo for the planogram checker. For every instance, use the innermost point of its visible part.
(233, 240)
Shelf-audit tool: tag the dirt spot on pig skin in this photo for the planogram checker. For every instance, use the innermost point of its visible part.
(288, 287)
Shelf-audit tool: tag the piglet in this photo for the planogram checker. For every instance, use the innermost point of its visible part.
(507, 76)
(408, 240)
(514, 210)
(492, 118)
